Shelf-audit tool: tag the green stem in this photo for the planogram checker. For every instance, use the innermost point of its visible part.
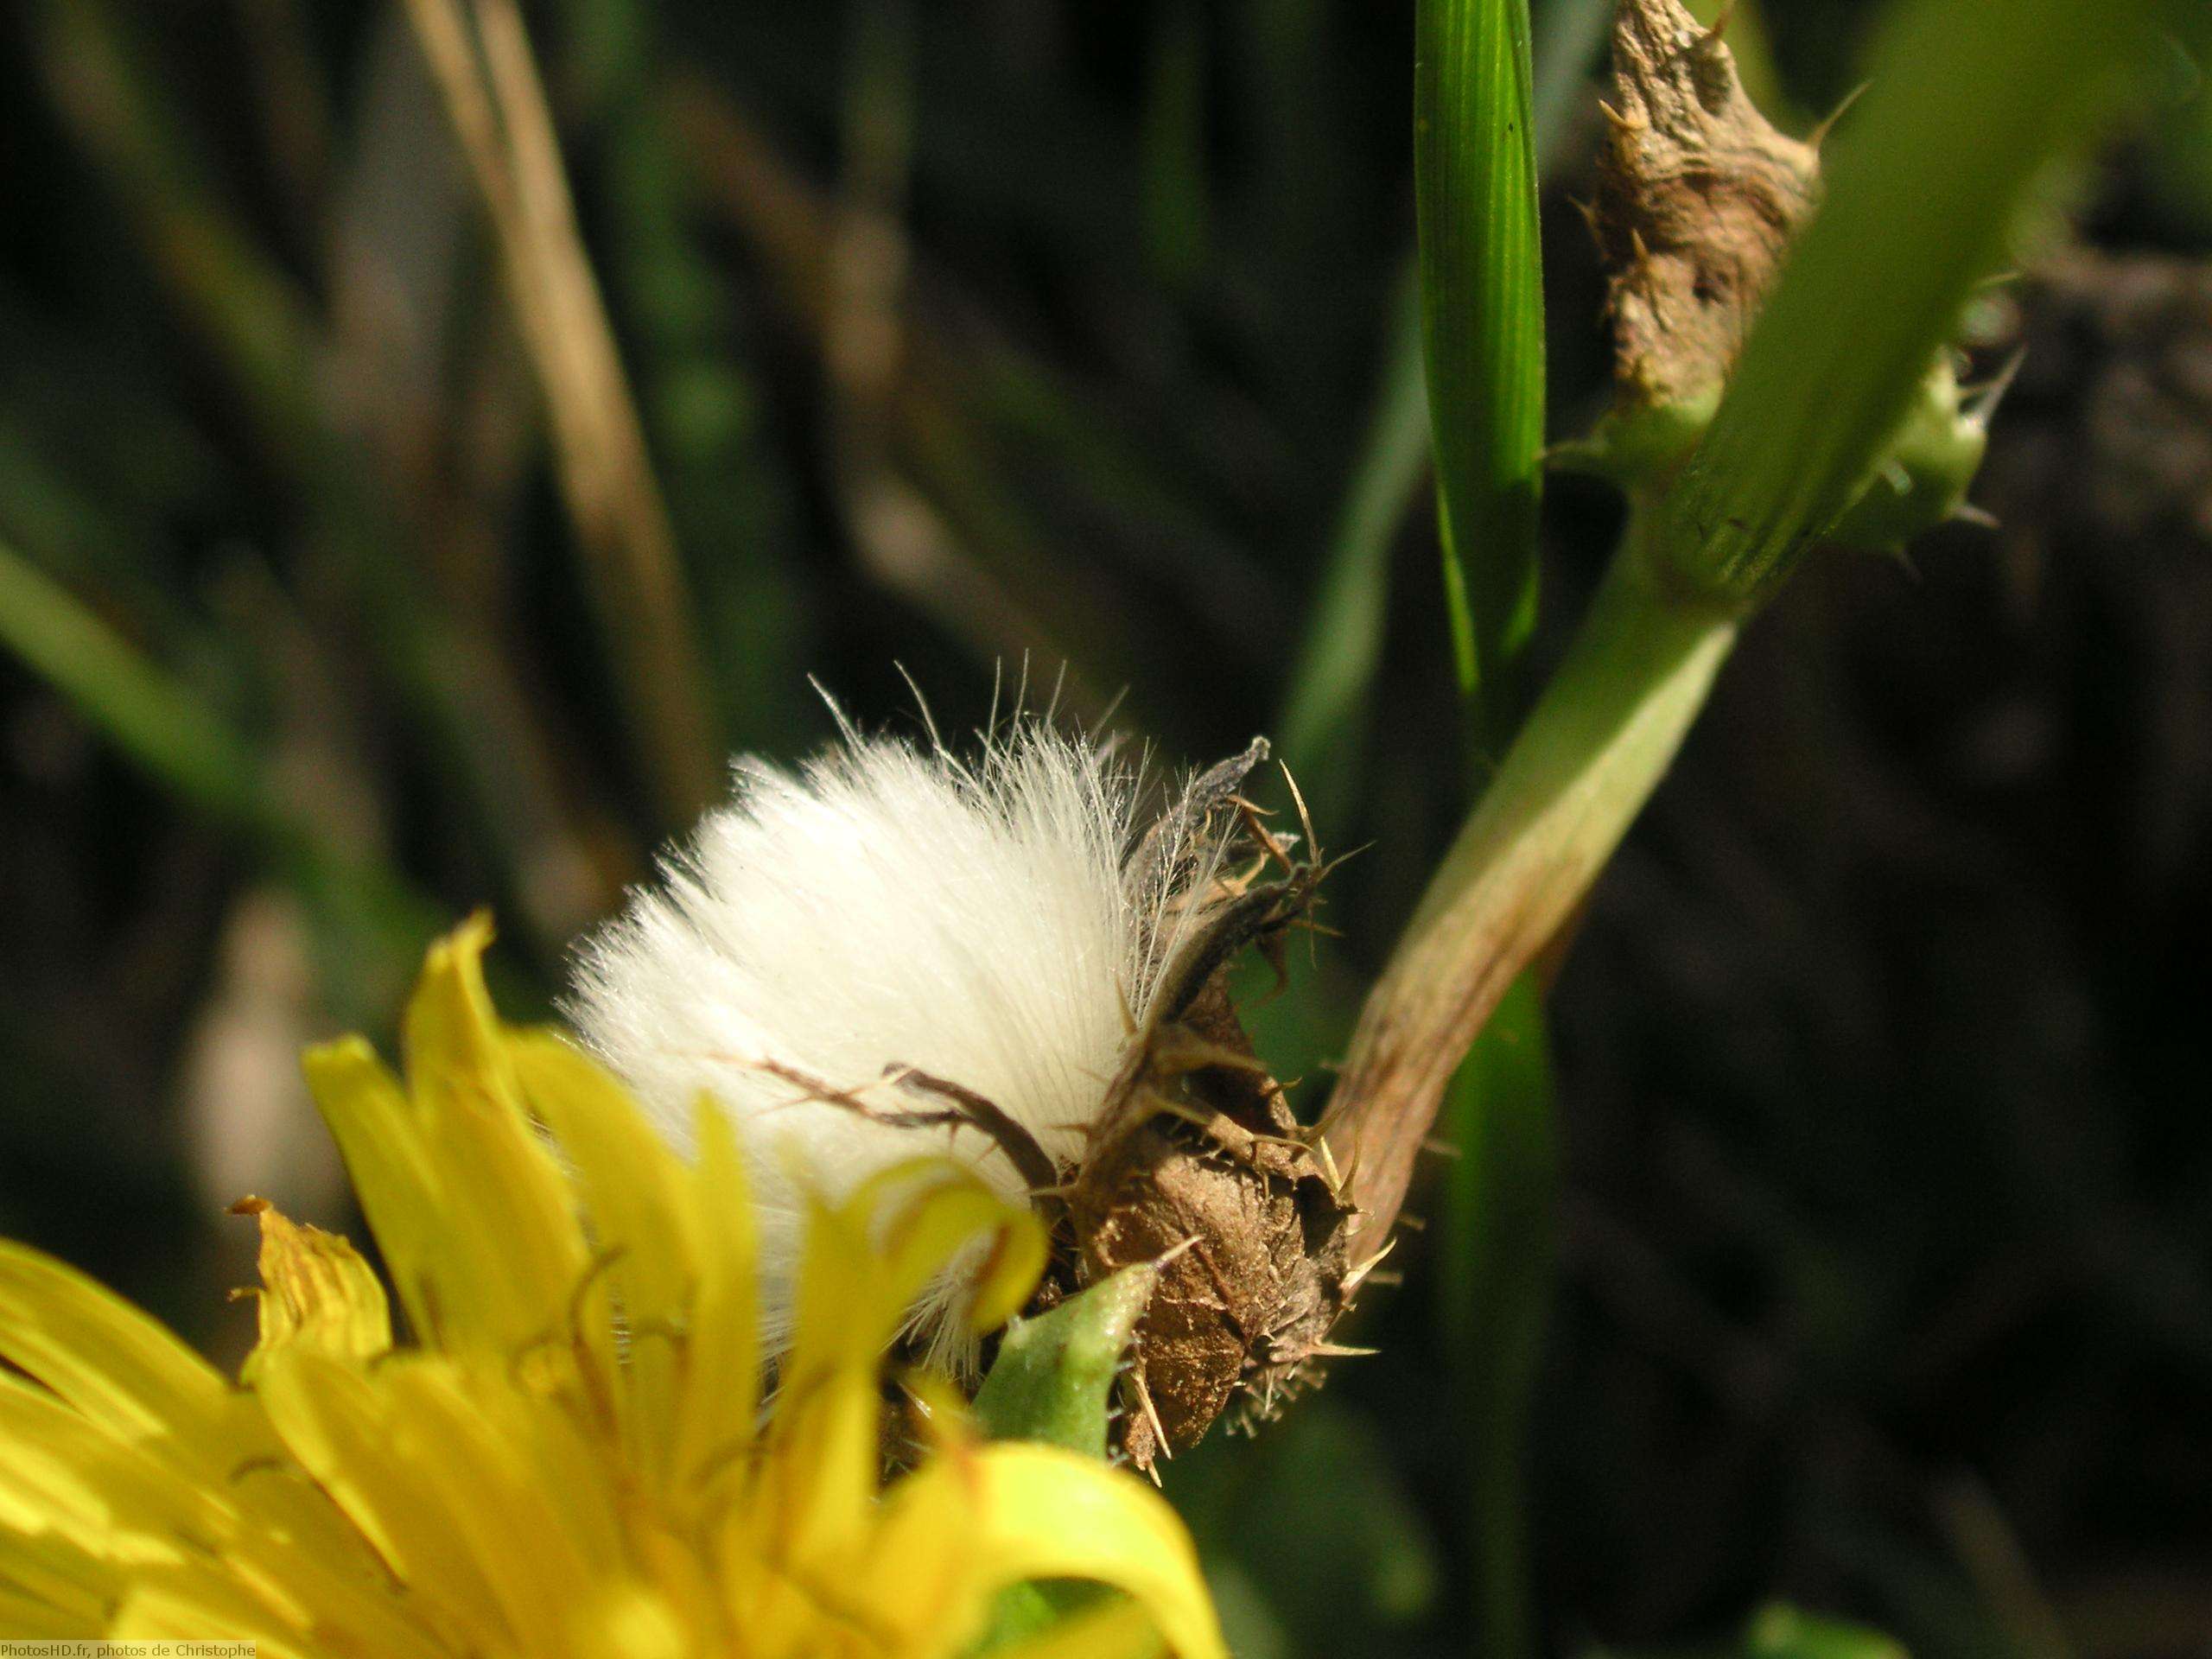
(1593, 751)
(1494, 1280)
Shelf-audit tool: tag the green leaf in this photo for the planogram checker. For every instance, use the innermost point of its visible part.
(1482, 322)
(371, 922)
(1968, 100)
(151, 716)
(1495, 1280)
(1053, 1379)
(1780, 1631)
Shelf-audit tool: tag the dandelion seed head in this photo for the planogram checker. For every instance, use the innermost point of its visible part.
(894, 905)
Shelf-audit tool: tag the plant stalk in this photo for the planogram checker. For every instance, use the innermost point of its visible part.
(1592, 753)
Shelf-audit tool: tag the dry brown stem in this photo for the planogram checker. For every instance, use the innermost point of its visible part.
(498, 109)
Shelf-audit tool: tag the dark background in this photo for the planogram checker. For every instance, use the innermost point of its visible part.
(1886, 1244)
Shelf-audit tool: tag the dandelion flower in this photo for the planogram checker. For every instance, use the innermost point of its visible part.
(899, 949)
(571, 1458)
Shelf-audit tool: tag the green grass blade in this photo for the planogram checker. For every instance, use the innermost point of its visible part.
(1483, 326)
(1494, 1274)
(372, 922)
(1483, 320)
(1969, 98)
(145, 713)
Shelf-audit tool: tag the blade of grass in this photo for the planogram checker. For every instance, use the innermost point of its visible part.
(156, 721)
(498, 109)
(1969, 99)
(1483, 325)
(379, 922)
(1494, 1277)
(1333, 675)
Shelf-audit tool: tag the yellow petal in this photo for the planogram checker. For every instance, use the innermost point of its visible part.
(118, 1366)
(75, 1588)
(868, 1258)
(84, 1513)
(865, 1260)
(723, 1394)
(373, 1122)
(474, 1218)
(637, 1202)
(520, 1488)
(342, 1425)
(514, 1237)
(202, 1604)
(27, 1618)
(110, 1498)
(316, 1291)
(1029, 1511)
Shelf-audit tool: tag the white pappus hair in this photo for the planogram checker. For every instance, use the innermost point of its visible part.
(894, 907)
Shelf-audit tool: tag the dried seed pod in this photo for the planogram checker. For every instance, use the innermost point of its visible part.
(1195, 1160)
(1201, 1167)
(1698, 198)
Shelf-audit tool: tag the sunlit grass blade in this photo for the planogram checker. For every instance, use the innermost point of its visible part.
(1968, 100)
(1483, 325)
(1483, 322)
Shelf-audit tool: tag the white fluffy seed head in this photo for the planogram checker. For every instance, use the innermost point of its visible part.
(888, 907)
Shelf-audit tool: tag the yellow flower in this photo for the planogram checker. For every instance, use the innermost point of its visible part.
(572, 1457)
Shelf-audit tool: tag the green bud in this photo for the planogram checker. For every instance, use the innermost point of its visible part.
(1636, 444)
(1922, 478)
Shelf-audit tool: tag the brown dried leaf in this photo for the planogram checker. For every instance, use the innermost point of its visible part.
(1698, 198)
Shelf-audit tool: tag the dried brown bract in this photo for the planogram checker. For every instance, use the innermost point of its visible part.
(1698, 198)
(1197, 1162)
